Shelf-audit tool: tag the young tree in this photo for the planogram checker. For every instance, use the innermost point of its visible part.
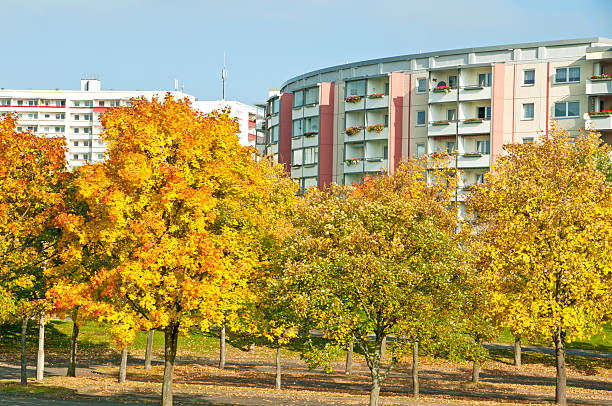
(366, 259)
(32, 171)
(545, 226)
(178, 202)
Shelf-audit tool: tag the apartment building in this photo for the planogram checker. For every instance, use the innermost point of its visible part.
(340, 123)
(73, 114)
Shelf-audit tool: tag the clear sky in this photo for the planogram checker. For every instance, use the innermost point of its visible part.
(146, 44)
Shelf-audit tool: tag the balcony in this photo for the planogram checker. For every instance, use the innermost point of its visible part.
(353, 165)
(310, 139)
(375, 135)
(436, 129)
(353, 136)
(474, 160)
(310, 170)
(377, 103)
(297, 113)
(443, 96)
(602, 122)
(311, 110)
(375, 165)
(352, 106)
(475, 93)
(599, 86)
(475, 127)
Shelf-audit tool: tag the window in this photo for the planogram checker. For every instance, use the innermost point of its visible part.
(101, 103)
(87, 117)
(484, 112)
(420, 149)
(86, 156)
(47, 115)
(86, 130)
(32, 102)
(127, 103)
(311, 155)
(420, 118)
(33, 128)
(114, 103)
(356, 88)
(76, 130)
(276, 106)
(274, 134)
(86, 143)
(59, 129)
(88, 103)
(386, 121)
(76, 117)
(529, 77)
(5, 102)
(567, 109)
(484, 147)
(312, 95)
(484, 79)
(20, 102)
(297, 157)
(60, 103)
(528, 111)
(451, 147)
(385, 152)
(75, 157)
(298, 129)
(567, 75)
(311, 125)
(100, 156)
(47, 129)
(452, 81)
(298, 98)
(60, 116)
(77, 103)
(422, 88)
(479, 178)
(451, 114)
(528, 140)
(76, 143)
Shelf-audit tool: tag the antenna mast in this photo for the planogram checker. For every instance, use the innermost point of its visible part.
(223, 76)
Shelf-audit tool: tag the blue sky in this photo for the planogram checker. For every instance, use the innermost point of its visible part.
(145, 44)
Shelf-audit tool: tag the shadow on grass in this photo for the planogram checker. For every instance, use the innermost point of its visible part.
(585, 365)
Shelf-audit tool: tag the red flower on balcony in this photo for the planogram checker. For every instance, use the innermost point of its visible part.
(352, 99)
(356, 129)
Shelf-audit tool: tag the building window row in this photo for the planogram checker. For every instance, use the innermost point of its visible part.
(305, 126)
(305, 156)
(567, 110)
(306, 97)
(567, 75)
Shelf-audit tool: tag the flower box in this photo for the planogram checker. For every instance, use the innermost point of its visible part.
(603, 113)
(376, 96)
(352, 99)
(441, 122)
(356, 129)
(352, 161)
(376, 127)
(310, 134)
(473, 87)
(440, 89)
(603, 76)
(472, 154)
(473, 120)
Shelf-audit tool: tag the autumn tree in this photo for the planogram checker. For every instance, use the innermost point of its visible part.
(545, 226)
(365, 260)
(177, 202)
(32, 171)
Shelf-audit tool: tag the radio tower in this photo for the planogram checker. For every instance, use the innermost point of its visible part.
(223, 76)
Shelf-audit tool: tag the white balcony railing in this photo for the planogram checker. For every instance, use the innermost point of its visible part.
(377, 103)
(475, 93)
(474, 160)
(354, 106)
(475, 127)
(602, 122)
(599, 86)
(443, 96)
(436, 129)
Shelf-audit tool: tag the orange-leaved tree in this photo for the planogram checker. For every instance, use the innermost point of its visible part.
(544, 221)
(32, 171)
(177, 203)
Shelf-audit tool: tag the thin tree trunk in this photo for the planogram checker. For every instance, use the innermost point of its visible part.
(476, 372)
(252, 347)
(73, 345)
(415, 369)
(517, 351)
(40, 361)
(383, 348)
(348, 369)
(149, 349)
(560, 391)
(278, 368)
(222, 348)
(170, 343)
(24, 370)
(375, 372)
(123, 366)
(374, 392)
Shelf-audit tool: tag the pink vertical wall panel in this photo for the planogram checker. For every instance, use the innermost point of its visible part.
(326, 134)
(285, 128)
(497, 114)
(396, 110)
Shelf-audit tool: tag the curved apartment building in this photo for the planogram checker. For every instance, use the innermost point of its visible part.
(339, 123)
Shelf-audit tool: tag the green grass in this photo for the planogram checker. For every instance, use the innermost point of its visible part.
(32, 388)
(601, 341)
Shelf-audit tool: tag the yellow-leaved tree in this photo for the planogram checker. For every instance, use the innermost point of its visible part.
(544, 220)
(178, 205)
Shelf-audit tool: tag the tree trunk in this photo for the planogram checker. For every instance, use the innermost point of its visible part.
(149, 349)
(383, 348)
(517, 351)
(374, 392)
(40, 361)
(278, 367)
(348, 369)
(252, 347)
(73, 345)
(375, 371)
(560, 391)
(24, 366)
(123, 366)
(170, 343)
(222, 348)
(476, 372)
(415, 369)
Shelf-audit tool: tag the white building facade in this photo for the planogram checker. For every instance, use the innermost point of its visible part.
(247, 117)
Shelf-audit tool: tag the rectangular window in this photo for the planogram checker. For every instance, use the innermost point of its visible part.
(528, 112)
(567, 75)
(75, 157)
(386, 121)
(5, 102)
(76, 130)
(86, 143)
(60, 103)
(567, 109)
(529, 77)
(47, 115)
(479, 178)
(312, 96)
(385, 152)
(101, 103)
(76, 143)
(420, 118)
(311, 125)
(276, 106)
(88, 103)
(274, 131)
(451, 114)
(297, 128)
(86, 130)
(528, 140)
(420, 149)
(76, 117)
(484, 79)
(77, 103)
(20, 102)
(298, 98)
(484, 147)
(86, 156)
(452, 81)
(297, 157)
(311, 155)
(484, 112)
(451, 147)
(356, 88)
(87, 117)
(422, 87)
(100, 156)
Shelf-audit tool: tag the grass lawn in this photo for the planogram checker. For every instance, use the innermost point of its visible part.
(599, 342)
